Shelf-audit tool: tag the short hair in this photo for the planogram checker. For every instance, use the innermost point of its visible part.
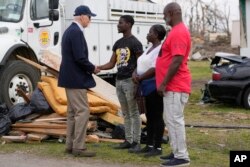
(160, 30)
(128, 19)
(173, 7)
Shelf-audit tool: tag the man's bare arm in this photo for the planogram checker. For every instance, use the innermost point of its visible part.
(110, 64)
(173, 68)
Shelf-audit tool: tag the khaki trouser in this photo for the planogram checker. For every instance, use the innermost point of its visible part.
(77, 118)
(173, 116)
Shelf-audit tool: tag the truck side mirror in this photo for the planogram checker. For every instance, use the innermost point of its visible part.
(53, 15)
(53, 4)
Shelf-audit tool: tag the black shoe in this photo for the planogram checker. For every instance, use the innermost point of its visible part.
(167, 157)
(153, 152)
(83, 153)
(134, 144)
(175, 162)
(146, 149)
(135, 148)
(68, 151)
(123, 145)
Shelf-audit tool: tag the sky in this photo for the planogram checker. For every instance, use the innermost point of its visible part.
(233, 5)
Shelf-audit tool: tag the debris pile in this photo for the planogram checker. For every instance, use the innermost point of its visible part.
(203, 49)
(43, 116)
(39, 122)
(44, 113)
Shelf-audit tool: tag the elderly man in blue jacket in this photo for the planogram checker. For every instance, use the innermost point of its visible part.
(76, 77)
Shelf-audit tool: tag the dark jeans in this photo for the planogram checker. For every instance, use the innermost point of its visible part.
(155, 123)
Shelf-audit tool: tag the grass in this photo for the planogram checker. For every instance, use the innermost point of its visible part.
(207, 147)
(200, 70)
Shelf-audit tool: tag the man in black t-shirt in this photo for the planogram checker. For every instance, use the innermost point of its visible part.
(125, 53)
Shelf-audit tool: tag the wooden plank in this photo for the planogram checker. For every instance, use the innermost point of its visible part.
(49, 119)
(19, 139)
(36, 137)
(59, 122)
(111, 140)
(105, 90)
(33, 116)
(41, 67)
(51, 128)
(50, 59)
(46, 125)
(16, 133)
(51, 115)
(55, 132)
(92, 139)
(111, 118)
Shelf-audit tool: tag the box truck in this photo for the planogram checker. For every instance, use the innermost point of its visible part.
(29, 27)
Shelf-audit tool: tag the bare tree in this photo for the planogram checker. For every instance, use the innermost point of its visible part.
(203, 17)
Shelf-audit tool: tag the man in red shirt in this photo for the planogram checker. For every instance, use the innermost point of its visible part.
(173, 81)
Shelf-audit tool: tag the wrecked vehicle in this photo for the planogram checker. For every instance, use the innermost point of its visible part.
(230, 79)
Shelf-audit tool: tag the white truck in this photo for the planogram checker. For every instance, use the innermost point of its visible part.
(27, 27)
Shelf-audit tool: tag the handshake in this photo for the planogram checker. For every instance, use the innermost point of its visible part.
(97, 69)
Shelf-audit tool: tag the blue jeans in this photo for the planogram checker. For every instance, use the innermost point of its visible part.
(132, 122)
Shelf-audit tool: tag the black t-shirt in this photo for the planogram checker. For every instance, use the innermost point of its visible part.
(126, 61)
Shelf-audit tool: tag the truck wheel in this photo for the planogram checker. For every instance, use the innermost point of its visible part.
(17, 74)
(246, 99)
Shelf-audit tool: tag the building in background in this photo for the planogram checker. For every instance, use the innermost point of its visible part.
(235, 36)
(245, 27)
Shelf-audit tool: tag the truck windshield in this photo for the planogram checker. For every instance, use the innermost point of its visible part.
(11, 10)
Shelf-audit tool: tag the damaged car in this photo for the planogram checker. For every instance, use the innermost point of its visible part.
(230, 79)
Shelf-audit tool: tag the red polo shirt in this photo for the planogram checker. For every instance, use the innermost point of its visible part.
(178, 42)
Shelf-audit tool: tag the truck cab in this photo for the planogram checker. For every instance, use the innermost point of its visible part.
(25, 30)
(30, 27)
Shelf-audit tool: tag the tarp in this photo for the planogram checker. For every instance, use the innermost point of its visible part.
(56, 97)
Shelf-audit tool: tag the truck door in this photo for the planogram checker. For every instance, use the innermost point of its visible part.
(42, 34)
(91, 35)
(106, 45)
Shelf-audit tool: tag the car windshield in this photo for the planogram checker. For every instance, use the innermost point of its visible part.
(11, 10)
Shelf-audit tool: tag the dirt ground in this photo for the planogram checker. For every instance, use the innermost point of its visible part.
(19, 159)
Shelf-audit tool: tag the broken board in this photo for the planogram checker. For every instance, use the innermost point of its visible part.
(103, 88)
(50, 62)
(111, 118)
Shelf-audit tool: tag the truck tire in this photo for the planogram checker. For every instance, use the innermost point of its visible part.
(246, 99)
(17, 74)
